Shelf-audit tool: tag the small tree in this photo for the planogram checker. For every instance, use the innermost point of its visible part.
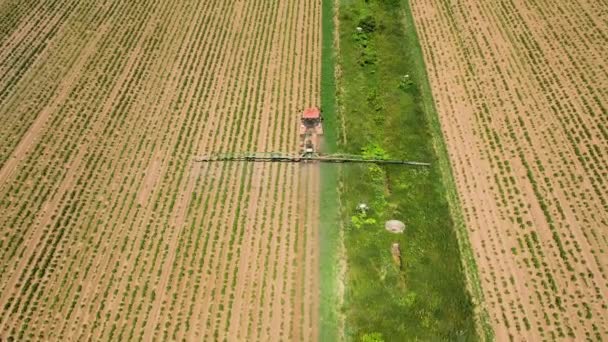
(406, 82)
(367, 23)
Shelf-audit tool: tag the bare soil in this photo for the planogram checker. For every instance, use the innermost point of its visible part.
(108, 222)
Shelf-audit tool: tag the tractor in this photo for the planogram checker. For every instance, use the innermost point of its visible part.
(311, 129)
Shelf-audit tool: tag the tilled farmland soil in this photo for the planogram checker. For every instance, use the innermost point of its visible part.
(521, 88)
(109, 230)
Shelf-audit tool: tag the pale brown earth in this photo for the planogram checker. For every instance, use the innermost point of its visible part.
(108, 228)
(521, 88)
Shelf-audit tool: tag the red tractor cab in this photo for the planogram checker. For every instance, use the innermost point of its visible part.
(311, 122)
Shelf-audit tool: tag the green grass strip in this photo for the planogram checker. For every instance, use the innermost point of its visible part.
(329, 224)
(385, 106)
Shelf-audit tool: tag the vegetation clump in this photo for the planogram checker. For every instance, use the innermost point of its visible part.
(364, 37)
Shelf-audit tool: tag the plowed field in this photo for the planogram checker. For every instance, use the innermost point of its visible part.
(109, 230)
(521, 88)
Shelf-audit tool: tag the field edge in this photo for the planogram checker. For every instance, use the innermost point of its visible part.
(483, 326)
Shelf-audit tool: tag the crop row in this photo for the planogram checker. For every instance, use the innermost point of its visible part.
(108, 221)
(523, 123)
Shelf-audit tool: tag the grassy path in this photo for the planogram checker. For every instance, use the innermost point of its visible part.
(329, 226)
(384, 106)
